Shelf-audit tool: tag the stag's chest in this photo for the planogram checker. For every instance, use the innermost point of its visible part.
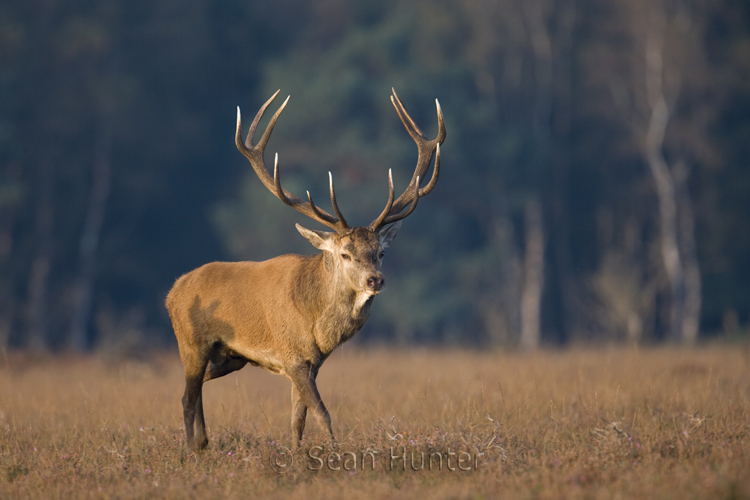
(341, 322)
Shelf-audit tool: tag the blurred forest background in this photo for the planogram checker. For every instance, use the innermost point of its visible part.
(594, 186)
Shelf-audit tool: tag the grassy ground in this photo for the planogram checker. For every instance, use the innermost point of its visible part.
(618, 423)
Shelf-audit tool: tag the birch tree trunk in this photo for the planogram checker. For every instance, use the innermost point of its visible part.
(536, 13)
(686, 221)
(676, 221)
(533, 276)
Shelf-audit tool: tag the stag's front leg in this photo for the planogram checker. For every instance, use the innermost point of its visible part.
(303, 379)
(299, 413)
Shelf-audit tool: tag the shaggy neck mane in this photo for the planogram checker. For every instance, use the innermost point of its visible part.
(318, 287)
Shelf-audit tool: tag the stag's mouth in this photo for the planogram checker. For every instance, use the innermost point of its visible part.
(363, 298)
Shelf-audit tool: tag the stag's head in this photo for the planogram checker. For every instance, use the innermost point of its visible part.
(357, 253)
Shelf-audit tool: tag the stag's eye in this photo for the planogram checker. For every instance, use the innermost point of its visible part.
(381, 255)
(346, 256)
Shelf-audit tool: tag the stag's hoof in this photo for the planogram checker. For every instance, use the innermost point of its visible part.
(198, 446)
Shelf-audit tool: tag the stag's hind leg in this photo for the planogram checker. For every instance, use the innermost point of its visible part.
(219, 364)
(201, 438)
(192, 401)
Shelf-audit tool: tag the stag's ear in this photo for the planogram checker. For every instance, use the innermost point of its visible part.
(320, 239)
(387, 234)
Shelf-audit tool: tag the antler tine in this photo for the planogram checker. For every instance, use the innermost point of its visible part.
(404, 115)
(317, 211)
(333, 200)
(426, 150)
(384, 218)
(322, 214)
(377, 223)
(279, 191)
(258, 116)
(254, 154)
(436, 171)
(271, 124)
(398, 216)
(294, 202)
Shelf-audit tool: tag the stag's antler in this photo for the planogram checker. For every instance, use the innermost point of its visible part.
(427, 149)
(394, 209)
(255, 155)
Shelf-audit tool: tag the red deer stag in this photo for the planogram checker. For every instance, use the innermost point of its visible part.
(289, 313)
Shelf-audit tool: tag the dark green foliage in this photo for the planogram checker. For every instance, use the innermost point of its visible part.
(162, 80)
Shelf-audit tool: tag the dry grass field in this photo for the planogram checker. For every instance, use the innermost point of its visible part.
(608, 423)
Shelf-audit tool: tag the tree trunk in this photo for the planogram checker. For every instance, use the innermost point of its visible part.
(38, 321)
(101, 173)
(535, 14)
(560, 143)
(684, 286)
(692, 307)
(10, 196)
(533, 276)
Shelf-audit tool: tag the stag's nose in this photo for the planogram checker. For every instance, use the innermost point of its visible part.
(375, 282)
